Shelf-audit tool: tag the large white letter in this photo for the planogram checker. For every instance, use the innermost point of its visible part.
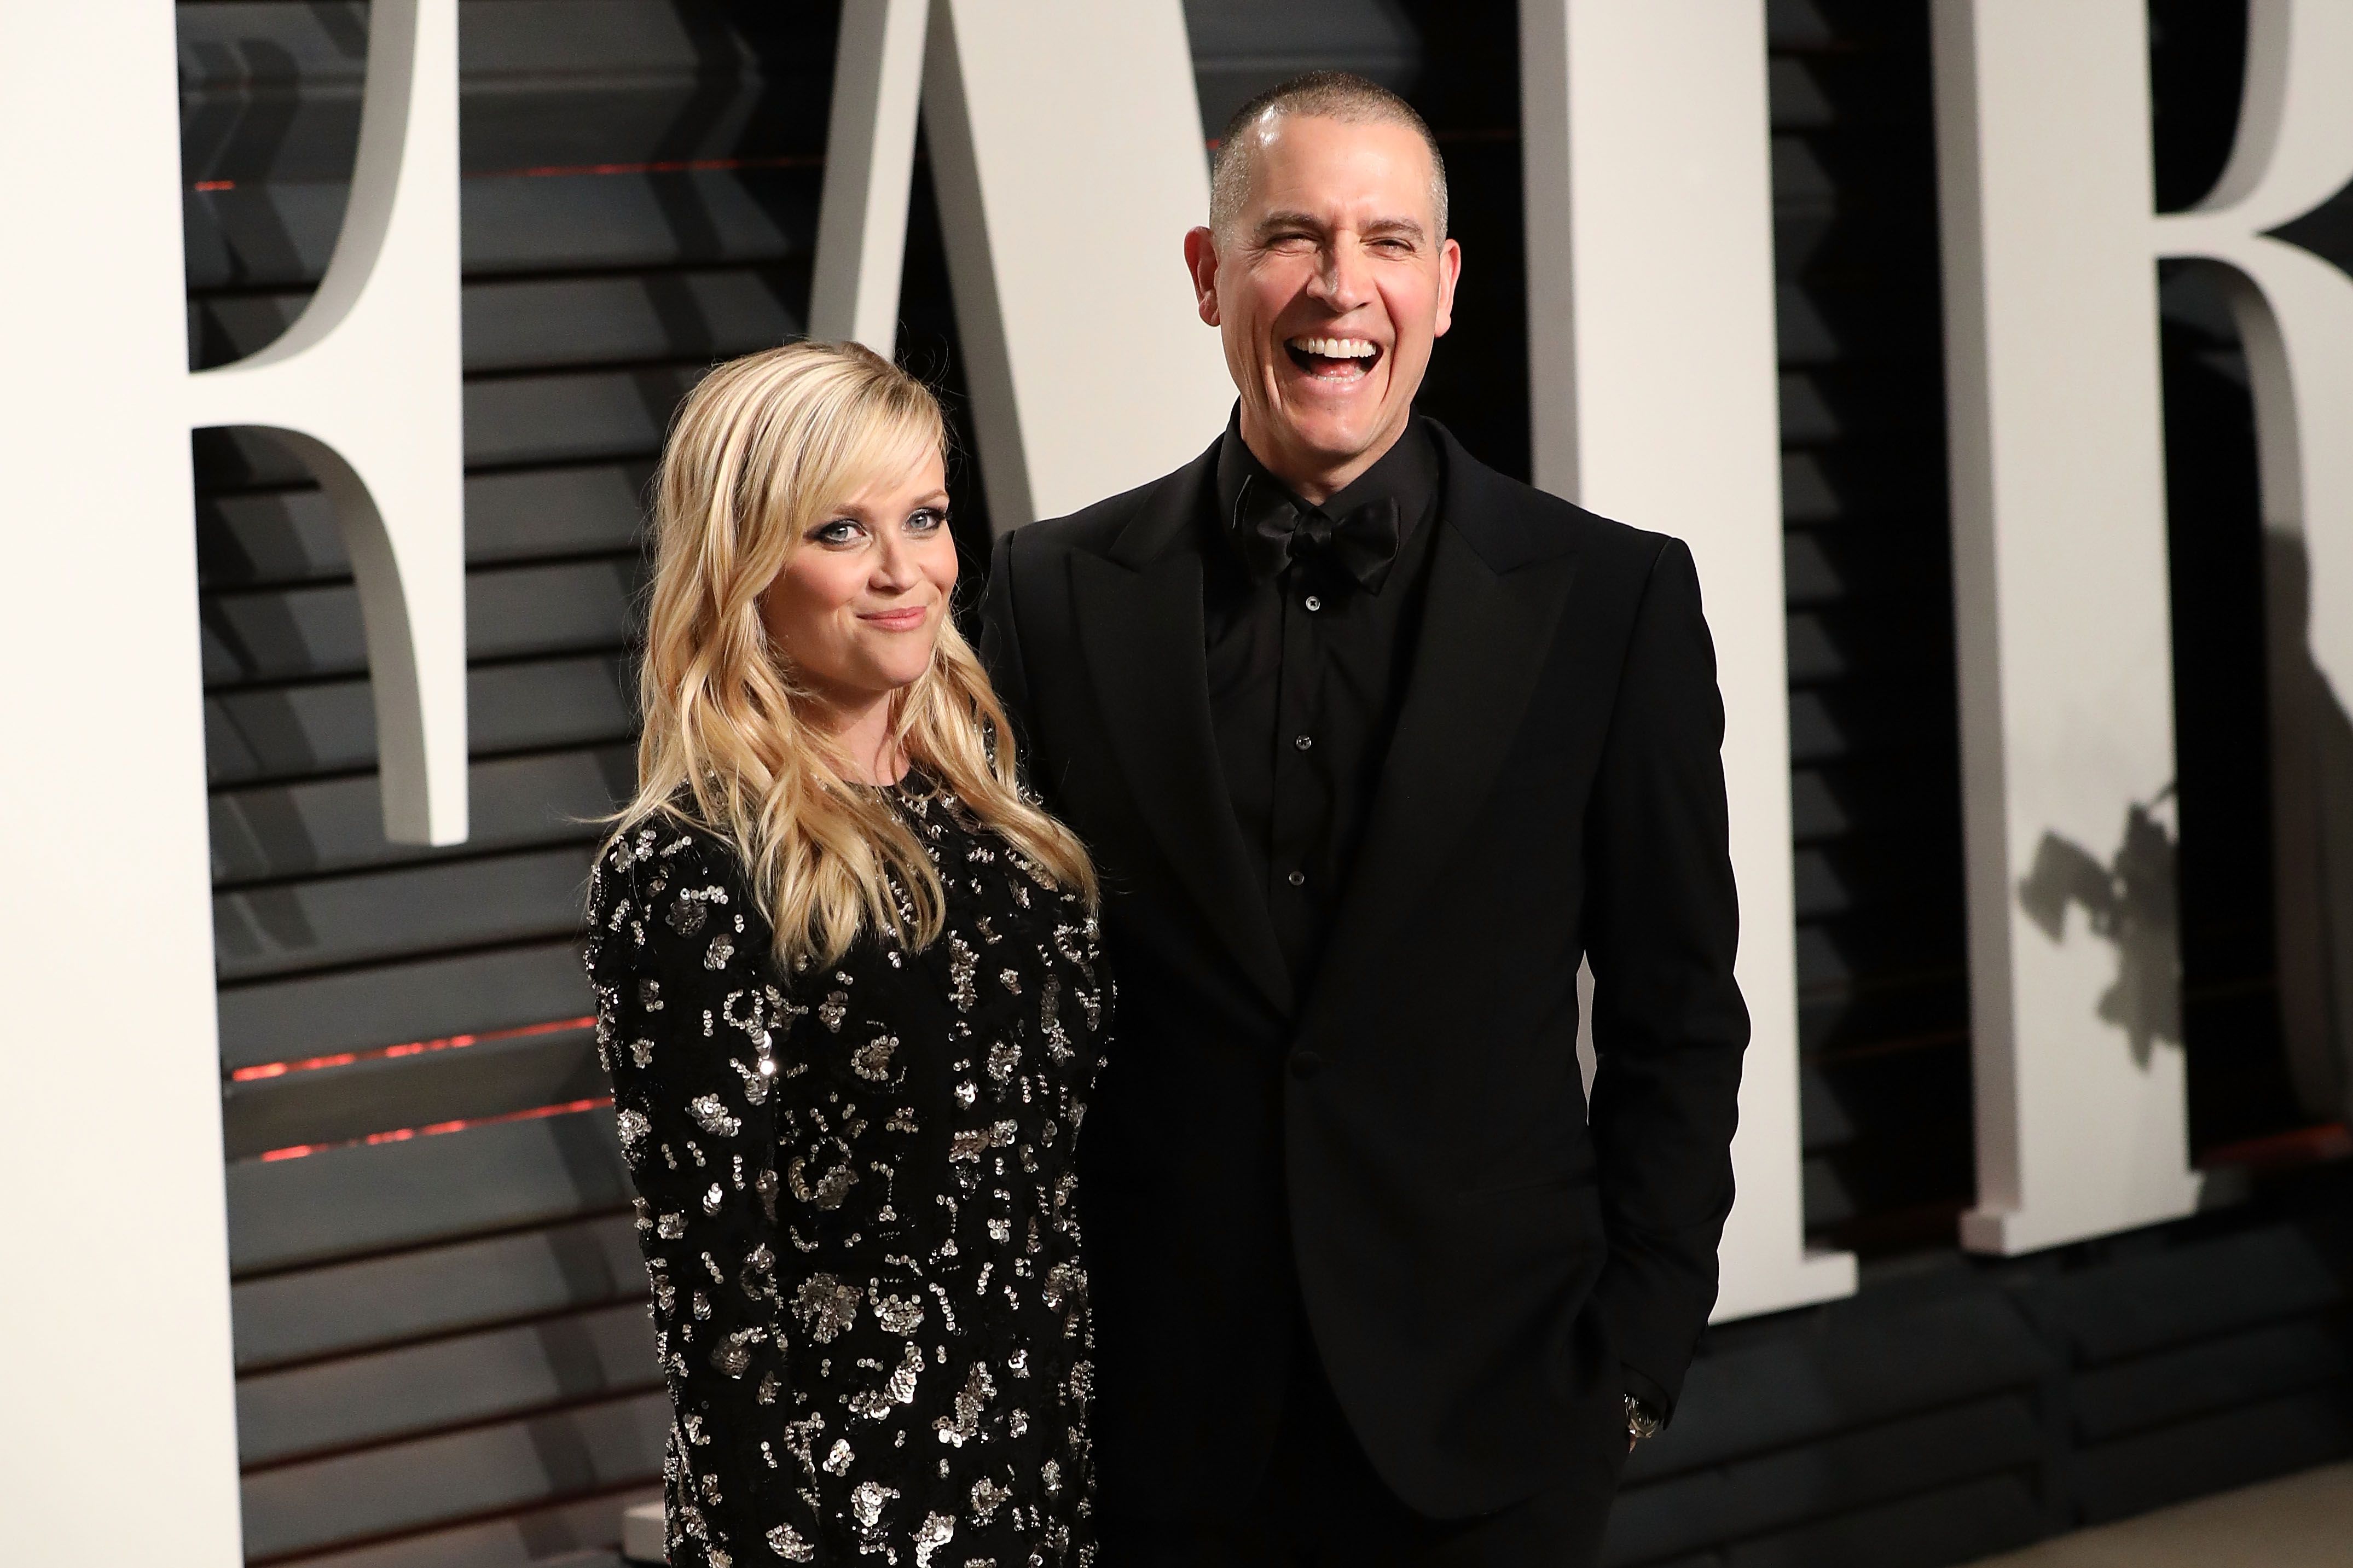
(367, 387)
(2060, 576)
(870, 165)
(2295, 312)
(111, 1050)
(1066, 149)
(119, 1312)
(1652, 388)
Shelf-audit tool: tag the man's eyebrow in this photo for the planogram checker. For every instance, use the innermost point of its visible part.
(1287, 219)
(1276, 222)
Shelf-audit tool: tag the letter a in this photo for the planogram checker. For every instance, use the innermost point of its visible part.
(1065, 213)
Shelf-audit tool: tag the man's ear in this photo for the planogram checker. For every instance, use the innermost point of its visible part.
(1450, 270)
(1201, 261)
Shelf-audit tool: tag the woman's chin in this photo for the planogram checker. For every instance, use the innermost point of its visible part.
(889, 678)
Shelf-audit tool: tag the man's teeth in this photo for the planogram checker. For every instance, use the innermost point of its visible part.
(1333, 348)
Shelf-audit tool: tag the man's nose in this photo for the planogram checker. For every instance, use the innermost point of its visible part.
(1341, 282)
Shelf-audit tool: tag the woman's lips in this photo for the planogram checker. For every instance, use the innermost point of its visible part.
(905, 620)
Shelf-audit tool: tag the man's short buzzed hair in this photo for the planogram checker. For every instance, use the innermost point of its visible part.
(1321, 95)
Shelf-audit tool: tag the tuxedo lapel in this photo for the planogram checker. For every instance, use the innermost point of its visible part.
(1499, 581)
(1140, 624)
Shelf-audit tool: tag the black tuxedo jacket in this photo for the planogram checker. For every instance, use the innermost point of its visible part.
(1404, 1150)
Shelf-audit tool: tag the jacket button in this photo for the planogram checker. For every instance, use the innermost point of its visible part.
(1305, 1065)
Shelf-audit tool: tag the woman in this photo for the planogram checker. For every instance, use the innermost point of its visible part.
(848, 992)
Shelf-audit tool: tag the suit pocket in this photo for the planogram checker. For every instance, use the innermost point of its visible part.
(1528, 1186)
(1558, 1178)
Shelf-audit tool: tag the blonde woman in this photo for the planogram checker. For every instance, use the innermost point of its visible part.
(849, 995)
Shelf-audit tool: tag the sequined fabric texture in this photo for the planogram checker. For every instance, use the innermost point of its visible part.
(857, 1201)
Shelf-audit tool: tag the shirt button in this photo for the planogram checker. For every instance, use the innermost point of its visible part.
(1313, 604)
(1303, 742)
(1297, 879)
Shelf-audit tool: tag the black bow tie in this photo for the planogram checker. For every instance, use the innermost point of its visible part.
(1272, 531)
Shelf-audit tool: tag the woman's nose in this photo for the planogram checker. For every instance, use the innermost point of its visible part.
(894, 563)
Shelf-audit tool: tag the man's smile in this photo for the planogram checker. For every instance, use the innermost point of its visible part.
(1331, 358)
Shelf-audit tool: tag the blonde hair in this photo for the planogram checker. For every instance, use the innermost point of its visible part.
(762, 450)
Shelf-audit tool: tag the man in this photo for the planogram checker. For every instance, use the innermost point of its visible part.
(1373, 744)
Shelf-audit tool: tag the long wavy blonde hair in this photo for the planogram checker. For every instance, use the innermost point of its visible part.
(734, 743)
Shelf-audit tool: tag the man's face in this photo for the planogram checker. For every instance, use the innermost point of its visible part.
(1328, 291)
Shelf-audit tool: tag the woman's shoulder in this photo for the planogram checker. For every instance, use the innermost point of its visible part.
(658, 876)
(658, 853)
(663, 844)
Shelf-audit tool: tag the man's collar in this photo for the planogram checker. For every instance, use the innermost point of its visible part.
(1408, 472)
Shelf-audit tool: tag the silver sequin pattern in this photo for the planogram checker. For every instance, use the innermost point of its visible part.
(856, 1206)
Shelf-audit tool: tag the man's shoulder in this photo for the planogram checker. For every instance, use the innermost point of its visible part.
(1096, 530)
(1512, 523)
(1091, 529)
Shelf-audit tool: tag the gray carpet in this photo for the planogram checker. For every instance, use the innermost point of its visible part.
(2300, 1521)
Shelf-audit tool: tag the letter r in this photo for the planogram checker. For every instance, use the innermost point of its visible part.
(2059, 567)
(2294, 313)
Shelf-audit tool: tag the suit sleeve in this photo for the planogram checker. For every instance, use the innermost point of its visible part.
(1668, 1025)
(1001, 644)
(687, 1027)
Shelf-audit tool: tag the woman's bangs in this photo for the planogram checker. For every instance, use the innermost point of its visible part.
(881, 448)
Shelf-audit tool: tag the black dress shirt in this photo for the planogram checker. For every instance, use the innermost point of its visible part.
(1307, 671)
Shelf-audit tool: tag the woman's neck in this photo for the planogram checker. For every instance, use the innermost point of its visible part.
(864, 733)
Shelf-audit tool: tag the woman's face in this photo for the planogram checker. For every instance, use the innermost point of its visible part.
(859, 606)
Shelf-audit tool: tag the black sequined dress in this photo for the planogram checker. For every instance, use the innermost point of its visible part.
(858, 1208)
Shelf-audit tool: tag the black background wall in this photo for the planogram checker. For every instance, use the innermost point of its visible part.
(442, 1353)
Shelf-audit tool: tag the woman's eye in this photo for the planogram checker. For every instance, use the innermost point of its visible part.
(840, 531)
(926, 520)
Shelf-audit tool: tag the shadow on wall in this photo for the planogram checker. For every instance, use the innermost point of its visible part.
(2131, 899)
(2132, 902)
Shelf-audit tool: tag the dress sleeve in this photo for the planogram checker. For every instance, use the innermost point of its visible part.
(688, 1025)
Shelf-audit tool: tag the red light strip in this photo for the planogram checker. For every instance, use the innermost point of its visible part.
(215, 185)
(409, 1048)
(401, 1135)
(2278, 1151)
